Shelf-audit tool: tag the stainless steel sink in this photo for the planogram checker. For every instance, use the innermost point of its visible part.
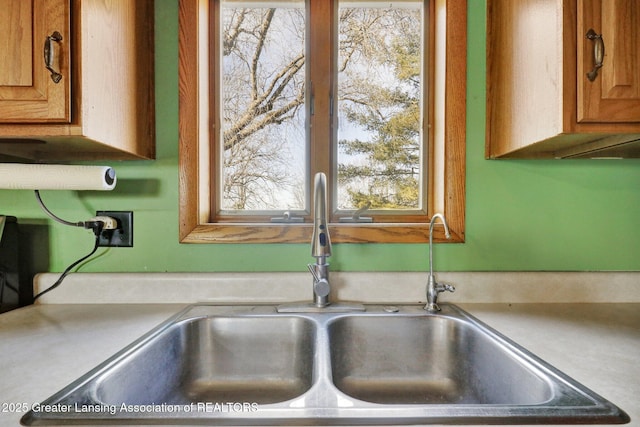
(250, 365)
(216, 359)
(429, 360)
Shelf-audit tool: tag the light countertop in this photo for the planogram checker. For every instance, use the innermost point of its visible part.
(45, 347)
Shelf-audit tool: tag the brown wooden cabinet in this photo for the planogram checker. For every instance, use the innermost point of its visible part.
(613, 96)
(28, 90)
(541, 102)
(76, 79)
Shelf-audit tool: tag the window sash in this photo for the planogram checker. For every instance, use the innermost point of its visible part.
(261, 100)
(409, 90)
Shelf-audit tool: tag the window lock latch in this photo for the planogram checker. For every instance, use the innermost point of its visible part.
(287, 217)
(357, 215)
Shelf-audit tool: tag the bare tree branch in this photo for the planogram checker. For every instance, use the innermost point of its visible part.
(262, 112)
(232, 33)
(261, 36)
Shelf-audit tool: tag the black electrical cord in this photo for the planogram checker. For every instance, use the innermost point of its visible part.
(68, 270)
(48, 212)
(95, 226)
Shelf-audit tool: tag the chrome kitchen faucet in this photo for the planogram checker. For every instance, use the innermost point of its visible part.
(320, 250)
(320, 243)
(433, 287)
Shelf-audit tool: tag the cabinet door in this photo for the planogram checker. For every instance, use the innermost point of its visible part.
(28, 92)
(614, 94)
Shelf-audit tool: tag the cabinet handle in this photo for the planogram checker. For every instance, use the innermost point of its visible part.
(50, 55)
(598, 53)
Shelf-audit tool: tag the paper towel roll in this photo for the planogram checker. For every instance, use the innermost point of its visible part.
(16, 176)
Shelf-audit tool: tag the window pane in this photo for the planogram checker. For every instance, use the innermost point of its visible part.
(263, 144)
(380, 91)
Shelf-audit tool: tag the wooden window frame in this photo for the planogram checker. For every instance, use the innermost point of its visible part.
(446, 127)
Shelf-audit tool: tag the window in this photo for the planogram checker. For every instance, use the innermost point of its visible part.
(259, 85)
(261, 147)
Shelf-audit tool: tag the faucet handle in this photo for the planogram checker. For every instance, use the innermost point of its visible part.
(433, 289)
(321, 288)
(444, 287)
(312, 270)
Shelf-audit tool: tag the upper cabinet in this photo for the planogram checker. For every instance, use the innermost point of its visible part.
(29, 91)
(77, 80)
(563, 78)
(608, 61)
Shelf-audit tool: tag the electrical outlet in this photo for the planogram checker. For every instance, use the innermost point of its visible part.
(122, 236)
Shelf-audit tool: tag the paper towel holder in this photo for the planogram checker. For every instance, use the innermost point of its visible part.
(28, 176)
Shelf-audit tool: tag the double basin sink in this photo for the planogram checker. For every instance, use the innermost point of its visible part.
(251, 365)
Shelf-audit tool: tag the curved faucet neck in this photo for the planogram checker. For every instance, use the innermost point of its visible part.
(446, 233)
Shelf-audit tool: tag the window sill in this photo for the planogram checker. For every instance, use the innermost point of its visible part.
(301, 233)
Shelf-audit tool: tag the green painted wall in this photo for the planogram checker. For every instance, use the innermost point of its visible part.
(521, 215)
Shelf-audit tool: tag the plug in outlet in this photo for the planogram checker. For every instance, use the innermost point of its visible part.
(122, 235)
